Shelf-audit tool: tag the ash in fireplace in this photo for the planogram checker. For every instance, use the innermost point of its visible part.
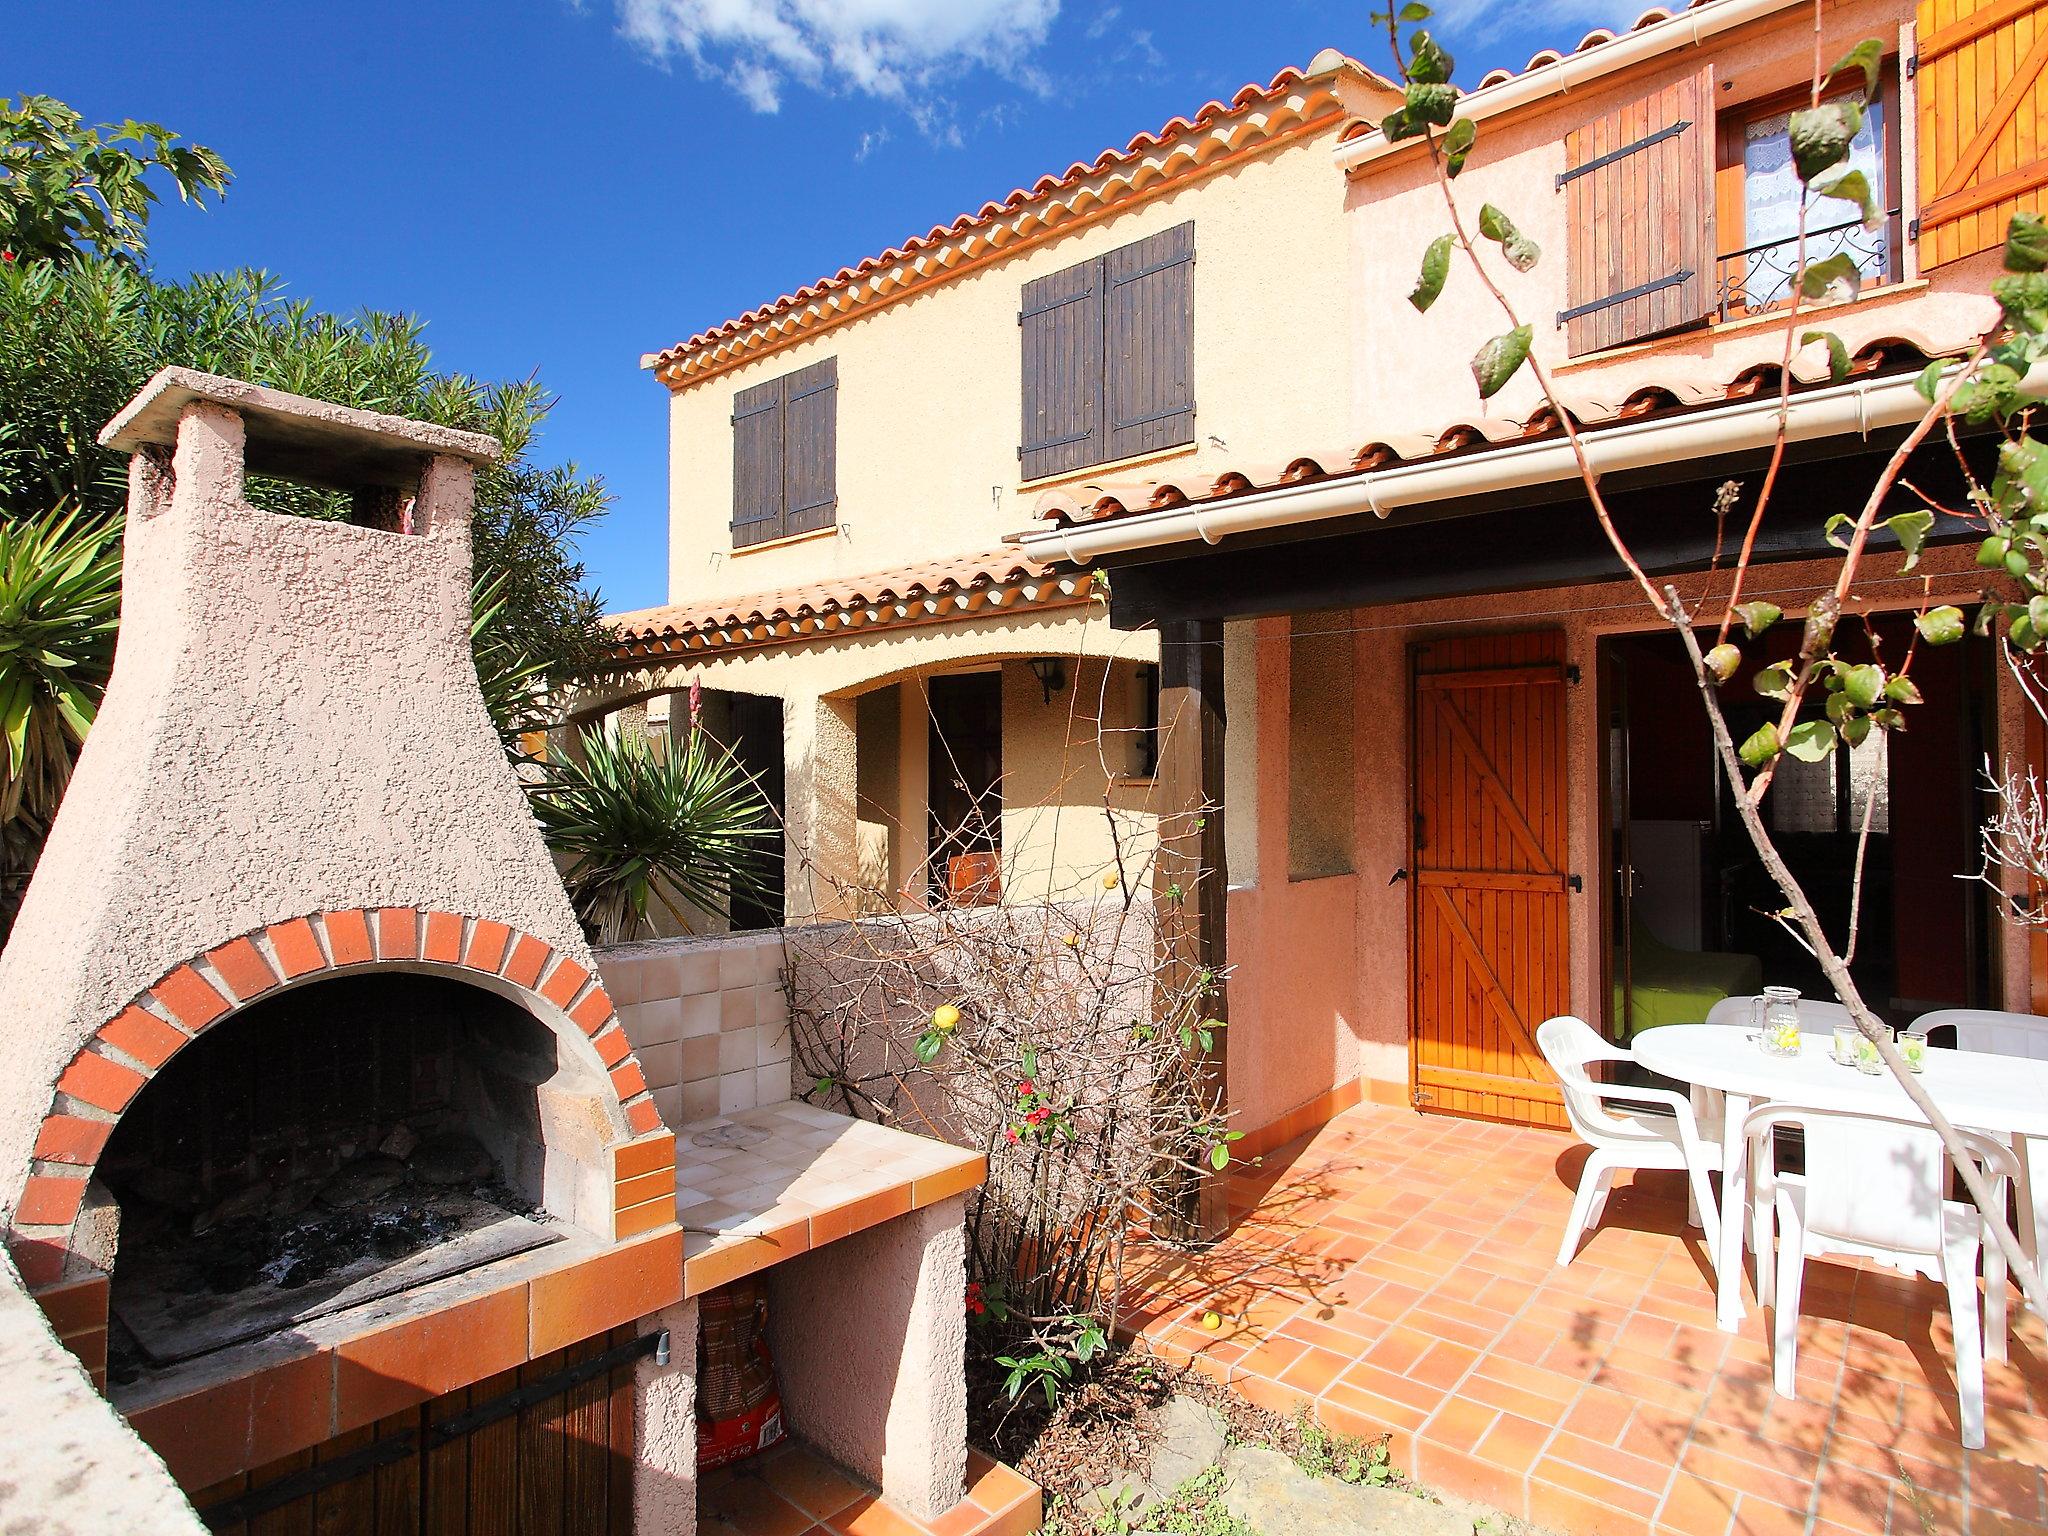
(283, 1249)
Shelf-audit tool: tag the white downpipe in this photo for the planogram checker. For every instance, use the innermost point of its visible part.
(1858, 408)
(1577, 69)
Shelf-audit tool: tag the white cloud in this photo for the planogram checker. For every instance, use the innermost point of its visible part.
(898, 50)
(1104, 20)
(1551, 23)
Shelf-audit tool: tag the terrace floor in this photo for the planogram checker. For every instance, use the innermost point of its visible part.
(1398, 1271)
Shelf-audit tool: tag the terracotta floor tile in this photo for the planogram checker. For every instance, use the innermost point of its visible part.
(809, 1482)
(749, 1507)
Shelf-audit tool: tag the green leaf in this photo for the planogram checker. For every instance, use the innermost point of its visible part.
(1519, 249)
(1774, 681)
(1832, 529)
(1854, 187)
(1911, 530)
(2026, 243)
(1820, 276)
(1398, 125)
(1758, 616)
(1929, 382)
(1940, 626)
(1458, 143)
(1863, 686)
(1838, 353)
(1761, 747)
(1821, 136)
(1722, 662)
(1902, 690)
(2024, 298)
(1430, 102)
(1496, 362)
(1427, 60)
(1219, 1157)
(1866, 57)
(1811, 741)
(1436, 266)
(1415, 11)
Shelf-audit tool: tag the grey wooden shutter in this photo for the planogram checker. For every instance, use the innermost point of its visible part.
(1062, 345)
(757, 464)
(1148, 343)
(1639, 211)
(810, 447)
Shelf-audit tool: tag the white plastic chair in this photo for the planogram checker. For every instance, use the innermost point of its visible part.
(1993, 1033)
(1988, 1031)
(1875, 1188)
(1608, 1119)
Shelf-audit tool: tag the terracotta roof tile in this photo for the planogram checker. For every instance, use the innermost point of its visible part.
(1321, 71)
(1592, 39)
(1094, 503)
(726, 622)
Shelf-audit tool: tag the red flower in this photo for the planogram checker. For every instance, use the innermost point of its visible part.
(1010, 1131)
(1039, 1115)
(1026, 1088)
(975, 1305)
(6, 255)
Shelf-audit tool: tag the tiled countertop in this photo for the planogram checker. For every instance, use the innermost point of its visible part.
(755, 1188)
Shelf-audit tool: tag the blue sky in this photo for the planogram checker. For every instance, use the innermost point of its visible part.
(559, 187)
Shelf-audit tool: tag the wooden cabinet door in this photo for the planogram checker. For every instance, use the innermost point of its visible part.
(1490, 887)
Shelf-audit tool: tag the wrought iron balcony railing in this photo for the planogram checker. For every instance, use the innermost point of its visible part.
(1759, 276)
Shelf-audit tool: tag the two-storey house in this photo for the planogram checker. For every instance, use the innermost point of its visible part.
(1468, 782)
(941, 716)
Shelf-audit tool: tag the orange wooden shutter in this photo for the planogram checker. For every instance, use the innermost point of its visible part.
(1638, 185)
(1983, 118)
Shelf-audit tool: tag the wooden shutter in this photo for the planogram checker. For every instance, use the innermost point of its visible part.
(1148, 341)
(1983, 121)
(810, 447)
(1638, 184)
(1062, 335)
(757, 464)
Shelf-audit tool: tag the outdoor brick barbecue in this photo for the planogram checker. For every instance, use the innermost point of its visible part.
(307, 1052)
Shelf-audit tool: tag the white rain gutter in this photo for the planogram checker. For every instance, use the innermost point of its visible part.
(1578, 69)
(1860, 407)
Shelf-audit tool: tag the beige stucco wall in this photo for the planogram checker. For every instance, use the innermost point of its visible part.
(930, 393)
(1412, 368)
(1319, 991)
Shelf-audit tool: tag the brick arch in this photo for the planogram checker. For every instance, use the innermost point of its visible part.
(122, 1056)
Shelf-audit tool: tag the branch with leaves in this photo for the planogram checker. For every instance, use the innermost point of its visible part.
(1858, 696)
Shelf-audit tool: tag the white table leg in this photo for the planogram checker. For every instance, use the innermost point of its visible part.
(1734, 1213)
(2032, 1202)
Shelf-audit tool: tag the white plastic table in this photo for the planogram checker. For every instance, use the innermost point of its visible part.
(1982, 1092)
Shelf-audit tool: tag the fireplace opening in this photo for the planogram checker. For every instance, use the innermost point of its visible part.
(333, 1145)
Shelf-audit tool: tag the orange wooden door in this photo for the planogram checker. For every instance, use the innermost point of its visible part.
(1982, 79)
(1491, 920)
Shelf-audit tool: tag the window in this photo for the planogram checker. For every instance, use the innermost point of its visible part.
(1757, 196)
(1108, 356)
(1145, 710)
(785, 455)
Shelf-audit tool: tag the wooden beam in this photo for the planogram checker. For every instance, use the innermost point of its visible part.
(1189, 877)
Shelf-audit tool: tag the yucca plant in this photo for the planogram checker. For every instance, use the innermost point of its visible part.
(60, 599)
(687, 828)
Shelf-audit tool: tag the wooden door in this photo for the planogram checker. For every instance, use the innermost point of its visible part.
(546, 1450)
(1982, 78)
(1491, 889)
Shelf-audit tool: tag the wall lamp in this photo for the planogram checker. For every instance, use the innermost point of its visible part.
(1051, 672)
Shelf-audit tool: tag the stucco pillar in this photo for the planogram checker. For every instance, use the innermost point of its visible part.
(821, 791)
(912, 843)
(665, 1429)
(870, 1342)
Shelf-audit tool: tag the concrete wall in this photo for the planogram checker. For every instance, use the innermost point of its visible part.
(1319, 993)
(74, 1467)
(930, 394)
(879, 1383)
(1411, 368)
(708, 1018)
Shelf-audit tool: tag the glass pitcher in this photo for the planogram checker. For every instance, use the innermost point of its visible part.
(1778, 1022)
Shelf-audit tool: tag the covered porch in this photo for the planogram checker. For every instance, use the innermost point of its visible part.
(1396, 1271)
